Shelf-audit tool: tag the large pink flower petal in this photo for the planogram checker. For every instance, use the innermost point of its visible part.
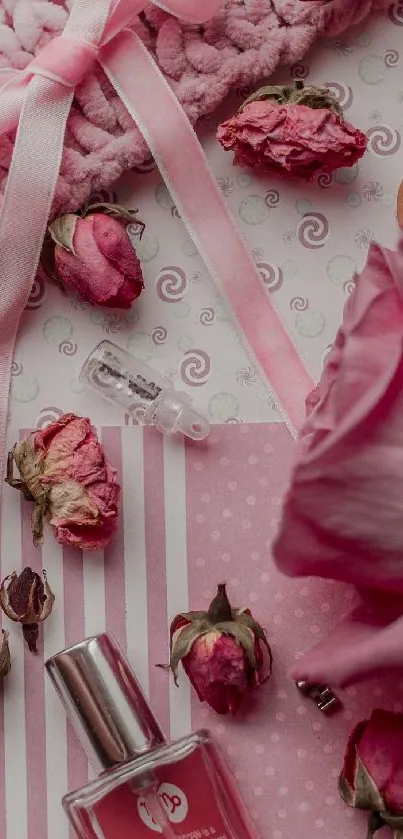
(364, 644)
(343, 513)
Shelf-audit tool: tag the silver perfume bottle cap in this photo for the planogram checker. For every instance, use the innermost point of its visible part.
(104, 702)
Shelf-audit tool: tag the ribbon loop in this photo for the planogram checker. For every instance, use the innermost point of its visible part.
(39, 99)
(64, 59)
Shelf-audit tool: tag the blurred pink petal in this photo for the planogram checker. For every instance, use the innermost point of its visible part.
(343, 515)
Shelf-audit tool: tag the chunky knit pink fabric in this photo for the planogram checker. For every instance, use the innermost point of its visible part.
(241, 45)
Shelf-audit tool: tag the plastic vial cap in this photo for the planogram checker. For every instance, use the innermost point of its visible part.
(174, 412)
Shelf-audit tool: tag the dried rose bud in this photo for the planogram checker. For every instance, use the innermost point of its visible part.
(371, 779)
(64, 470)
(5, 657)
(297, 131)
(221, 652)
(92, 256)
(27, 599)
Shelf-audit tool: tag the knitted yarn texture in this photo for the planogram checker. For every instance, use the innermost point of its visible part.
(241, 45)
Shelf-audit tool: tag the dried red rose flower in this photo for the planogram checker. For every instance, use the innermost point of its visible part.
(64, 470)
(27, 599)
(5, 657)
(296, 131)
(372, 777)
(91, 255)
(221, 652)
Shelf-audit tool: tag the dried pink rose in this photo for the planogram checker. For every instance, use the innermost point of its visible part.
(64, 470)
(296, 131)
(27, 599)
(372, 777)
(221, 652)
(94, 258)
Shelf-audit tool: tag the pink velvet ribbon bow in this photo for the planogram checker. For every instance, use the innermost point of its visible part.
(38, 101)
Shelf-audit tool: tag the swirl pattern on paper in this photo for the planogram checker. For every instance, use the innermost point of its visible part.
(342, 93)
(272, 276)
(67, 348)
(299, 304)
(195, 368)
(171, 284)
(313, 230)
(383, 140)
(159, 335)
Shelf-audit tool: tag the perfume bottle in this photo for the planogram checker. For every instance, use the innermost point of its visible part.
(146, 786)
(133, 385)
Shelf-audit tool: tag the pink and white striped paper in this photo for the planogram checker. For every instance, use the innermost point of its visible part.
(193, 515)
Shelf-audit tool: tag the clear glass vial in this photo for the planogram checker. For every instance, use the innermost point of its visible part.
(148, 397)
(181, 790)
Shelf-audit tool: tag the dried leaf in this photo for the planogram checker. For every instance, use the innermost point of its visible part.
(192, 616)
(62, 231)
(346, 792)
(375, 822)
(182, 642)
(366, 793)
(114, 210)
(30, 632)
(48, 261)
(395, 822)
(220, 608)
(38, 514)
(310, 96)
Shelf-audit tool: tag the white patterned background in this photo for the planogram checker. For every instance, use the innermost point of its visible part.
(308, 239)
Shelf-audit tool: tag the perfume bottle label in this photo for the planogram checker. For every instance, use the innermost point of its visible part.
(172, 804)
(184, 803)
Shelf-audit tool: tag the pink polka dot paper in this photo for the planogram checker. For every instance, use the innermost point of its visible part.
(192, 516)
(285, 754)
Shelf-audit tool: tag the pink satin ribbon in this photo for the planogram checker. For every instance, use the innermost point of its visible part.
(38, 101)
